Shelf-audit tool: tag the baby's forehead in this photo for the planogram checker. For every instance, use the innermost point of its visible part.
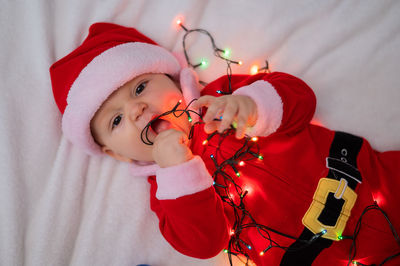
(108, 102)
(108, 106)
(117, 94)
(120, 92)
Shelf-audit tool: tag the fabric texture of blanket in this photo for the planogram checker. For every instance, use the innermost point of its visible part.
(59, 206)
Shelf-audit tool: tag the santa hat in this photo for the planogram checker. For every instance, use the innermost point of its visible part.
(110, 56)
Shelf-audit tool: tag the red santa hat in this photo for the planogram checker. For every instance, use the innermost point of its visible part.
(110, 56)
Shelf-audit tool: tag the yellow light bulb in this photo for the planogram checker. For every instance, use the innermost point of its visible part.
(254, 69)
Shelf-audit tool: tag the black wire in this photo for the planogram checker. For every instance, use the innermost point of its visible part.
(217, 52)
(240, 212)
(250, 151)
(176, 112)
(235, 245)
(389, 258)
(353, 247)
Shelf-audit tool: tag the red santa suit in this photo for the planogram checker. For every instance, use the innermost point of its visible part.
(285, 188)
(311, 179)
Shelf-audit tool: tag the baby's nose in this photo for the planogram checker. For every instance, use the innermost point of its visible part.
(136, 110)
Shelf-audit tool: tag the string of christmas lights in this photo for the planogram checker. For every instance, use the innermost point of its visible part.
(233, 194)
(239, 210)
(220, 53)
(353, 250)
(176, 112)
(228, 190)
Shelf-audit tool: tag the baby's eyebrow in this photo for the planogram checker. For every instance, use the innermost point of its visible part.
(105, 114)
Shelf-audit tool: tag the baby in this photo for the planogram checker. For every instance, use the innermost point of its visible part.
(273, 187)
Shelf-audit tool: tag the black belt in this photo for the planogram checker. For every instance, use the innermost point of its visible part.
(342, 165)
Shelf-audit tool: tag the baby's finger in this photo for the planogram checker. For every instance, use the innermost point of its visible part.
(213, 110)
(212, 126)
(242, 121)
(227, 118)
(168, 134)
(240, 129)
(184, 139)
(203, 101)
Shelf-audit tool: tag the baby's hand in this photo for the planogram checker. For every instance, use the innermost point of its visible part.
(239, 108)
(171, 148)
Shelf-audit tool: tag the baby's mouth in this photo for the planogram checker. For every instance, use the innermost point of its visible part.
(159, 125)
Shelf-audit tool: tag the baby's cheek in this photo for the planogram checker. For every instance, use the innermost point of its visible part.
(173, 99)
(141, 152)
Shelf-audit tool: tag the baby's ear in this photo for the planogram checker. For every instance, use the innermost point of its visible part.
(115, 155)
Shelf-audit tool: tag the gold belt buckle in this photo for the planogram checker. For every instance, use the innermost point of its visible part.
(341, 190)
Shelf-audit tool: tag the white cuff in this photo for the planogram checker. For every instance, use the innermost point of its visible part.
(269, 107)
(183, 179)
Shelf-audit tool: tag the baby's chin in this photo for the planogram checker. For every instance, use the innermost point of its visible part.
(143, 157)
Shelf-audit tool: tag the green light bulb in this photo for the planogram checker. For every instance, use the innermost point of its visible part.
(227, 53)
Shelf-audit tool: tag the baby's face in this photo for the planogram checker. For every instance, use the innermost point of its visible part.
(118, 124)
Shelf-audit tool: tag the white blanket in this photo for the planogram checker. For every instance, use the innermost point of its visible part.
(59, 206)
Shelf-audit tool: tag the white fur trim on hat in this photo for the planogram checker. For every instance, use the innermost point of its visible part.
(102, 76)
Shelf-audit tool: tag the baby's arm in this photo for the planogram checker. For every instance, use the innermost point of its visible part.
(284, 103)
(191, 214)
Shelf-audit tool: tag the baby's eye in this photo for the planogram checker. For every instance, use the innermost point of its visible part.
(140, 88)
(116, 121)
